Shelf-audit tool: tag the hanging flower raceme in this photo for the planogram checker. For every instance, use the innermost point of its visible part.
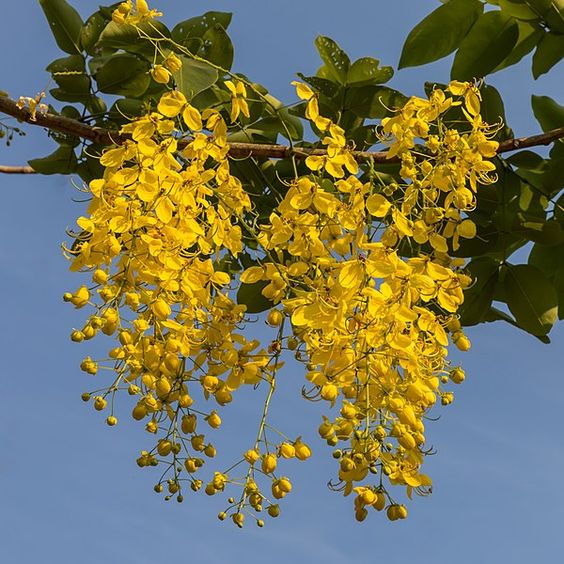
(371, 326)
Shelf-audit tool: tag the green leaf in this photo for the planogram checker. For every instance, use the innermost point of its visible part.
(62, 161)
(518, 10)
(539, 7)
(488, 240)
(478, 298)
(559, 209)
(70, 74)
(440, 33)
(273, 124)
(65, 23)
(547, 259)
(490, 40)
(544, 232)
(493, 111)
(126, 109)
(194, 77)
(134, 39)
(90, 166)
(526, 159)
(217, 47)
(324, 86)
(287, 124)
(251, 296)
(336, 61)
(70, 112)
(196, 27)
(91, 31)
(96, 106)
(531, 298)
(548, 53)
(528, 38)
(549, 113)
(559, 286)
(497, 315)
(123, 74)
(64, 96)
(554, 15)
(367, 71)
(373, 101)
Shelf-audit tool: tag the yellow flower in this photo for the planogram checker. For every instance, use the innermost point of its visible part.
(160, 74)
(238, 99)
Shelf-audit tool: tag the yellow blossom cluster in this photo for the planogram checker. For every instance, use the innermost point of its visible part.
(370, 321)
(125, 13)
(154, 231)
(371, 326)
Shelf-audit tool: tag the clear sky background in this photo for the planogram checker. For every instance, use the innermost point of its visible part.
(71, 491)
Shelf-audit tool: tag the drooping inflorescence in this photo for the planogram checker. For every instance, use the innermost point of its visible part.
(357, 269)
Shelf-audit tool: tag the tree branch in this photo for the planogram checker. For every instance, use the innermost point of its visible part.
(25, 169)
(107, 137)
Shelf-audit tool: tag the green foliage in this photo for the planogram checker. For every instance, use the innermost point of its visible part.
(549, 113)
(190, 33)
(478, 298)
(440, 33)
(127, 37)
(91, 31)
(336, 61)
(194, 77)
(490, 40)
(123, 74)
(65, 23)
(531, 298)
(367, 71)
(70, 75)
(217, 47)
(251, 296)
(62, 161)
(549, 52)
(527, 40)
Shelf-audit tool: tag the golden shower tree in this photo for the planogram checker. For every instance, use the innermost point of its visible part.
(369, 245)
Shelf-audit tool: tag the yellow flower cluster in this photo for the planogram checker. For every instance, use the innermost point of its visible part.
(371, 326)
(126, 14)
(153, 236)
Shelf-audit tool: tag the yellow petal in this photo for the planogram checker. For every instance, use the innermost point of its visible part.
(171, 103)
(221, 278)
(351, 274)
(314, 162)
(252, 274)
(303, 91)
(467, 229)
(231, 87)
(458, 88)
(147, 192)
(164, 209)
(438, 242)
(192, 118)
(472, 102)
(377, 205)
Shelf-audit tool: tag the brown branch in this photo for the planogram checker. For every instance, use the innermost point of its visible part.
(532, 141)
(61, 124)
(5, 169)
(239, 150)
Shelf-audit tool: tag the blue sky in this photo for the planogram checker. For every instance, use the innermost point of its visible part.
(71, 489)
